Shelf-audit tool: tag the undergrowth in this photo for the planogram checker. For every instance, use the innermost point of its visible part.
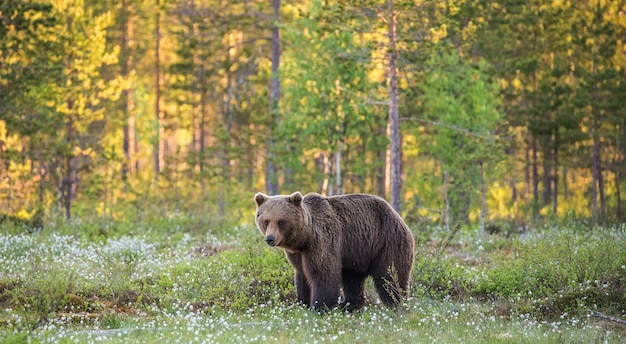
(110, 281)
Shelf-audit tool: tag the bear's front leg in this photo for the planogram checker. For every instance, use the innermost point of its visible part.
(325, 294)
(322, 267)
(325, 288)
(303, 291)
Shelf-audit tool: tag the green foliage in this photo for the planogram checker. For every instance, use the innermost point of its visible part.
(564, 269)
(234, 278)
(460, 101)
(118, 267)
(325, 99)
(435, 273)
(43, 293)
(78, 101)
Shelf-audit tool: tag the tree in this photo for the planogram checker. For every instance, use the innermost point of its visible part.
(271, 176)
(597, 79)
(394, 125)
(461, 104)
(157, 146)
(26, 71)
(77, 97)
(325, 99)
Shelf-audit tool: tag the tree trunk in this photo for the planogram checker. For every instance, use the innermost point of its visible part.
(198, 107)
(595, 173)
(381, 174)
(483, 194)
(547, 171)
(330, 190)
(535, 175)
(271, 175)
(446, 198)
(514, 192)
(338, 180)
(555, 192)
(71, 166)
(394, 127)
(600, 177)
(127, 102)
(71, 163)
(621, 176)
(227, 121)
(9, 193)
(202, 138)
(618, 196)
(42, 180)
(157, 103)
(510, 153)
(527, 165)
(320, 164)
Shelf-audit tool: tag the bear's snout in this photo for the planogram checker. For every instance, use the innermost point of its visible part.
(270, 240)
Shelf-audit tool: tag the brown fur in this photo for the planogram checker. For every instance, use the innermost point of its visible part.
(335, 242)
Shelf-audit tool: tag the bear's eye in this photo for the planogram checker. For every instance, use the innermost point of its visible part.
(266, 222)
(281, 223)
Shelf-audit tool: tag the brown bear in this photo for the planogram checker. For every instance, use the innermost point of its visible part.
(335, 242)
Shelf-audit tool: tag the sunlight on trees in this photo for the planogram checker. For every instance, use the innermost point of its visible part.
(507, 111)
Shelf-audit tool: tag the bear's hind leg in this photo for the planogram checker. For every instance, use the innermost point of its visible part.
(353, 289)
(388, 291)
(391, 284)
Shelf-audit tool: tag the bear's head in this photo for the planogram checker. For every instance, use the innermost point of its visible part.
(282, 220)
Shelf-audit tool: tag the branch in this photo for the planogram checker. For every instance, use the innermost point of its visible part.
(608, 317)
(437, 124)
(367, 100)
(431, 210)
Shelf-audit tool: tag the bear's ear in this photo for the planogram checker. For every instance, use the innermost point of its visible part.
(260, 198)
(296, 198)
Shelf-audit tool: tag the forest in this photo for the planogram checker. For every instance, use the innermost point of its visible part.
(499, 113)
(134, 135)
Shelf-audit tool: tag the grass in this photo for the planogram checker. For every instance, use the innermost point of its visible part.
(157, 282)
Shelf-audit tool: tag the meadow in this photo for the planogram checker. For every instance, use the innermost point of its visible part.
(182, 279)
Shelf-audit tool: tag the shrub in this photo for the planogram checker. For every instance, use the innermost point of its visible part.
(230, 277)
(435, 272)
(41, 294)
(561, 270)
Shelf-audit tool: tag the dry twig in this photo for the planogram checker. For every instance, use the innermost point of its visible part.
(608, 317)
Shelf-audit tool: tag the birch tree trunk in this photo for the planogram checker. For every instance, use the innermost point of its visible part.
(381, 173)
(271, 176)
(394, 127)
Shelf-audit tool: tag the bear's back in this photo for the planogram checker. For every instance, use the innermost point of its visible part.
(362, 206)
(369, 214)
(369, 227)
